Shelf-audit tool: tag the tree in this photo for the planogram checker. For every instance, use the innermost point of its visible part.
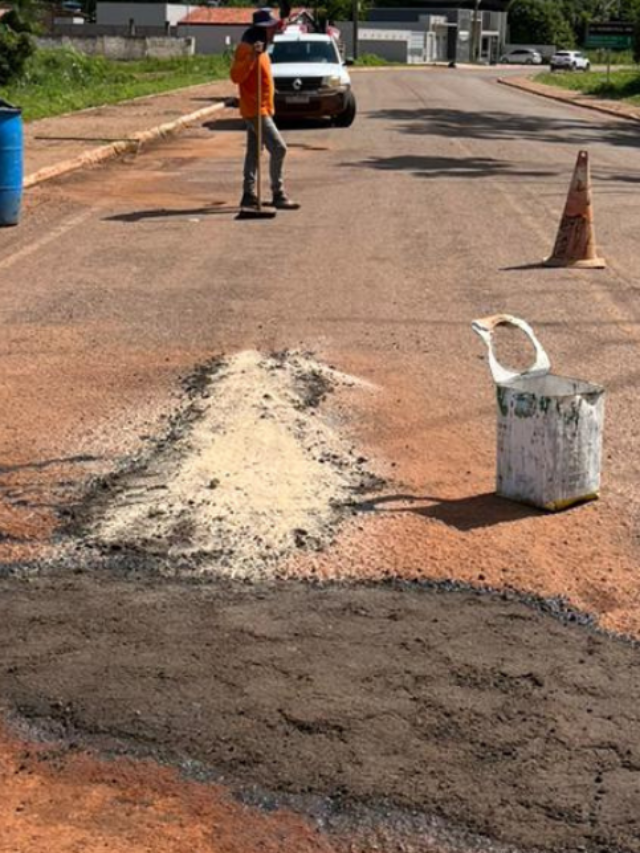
(16, 44)
(15, 50)
(23, 16)
(578, 13)
(539, 22)
(339, 10)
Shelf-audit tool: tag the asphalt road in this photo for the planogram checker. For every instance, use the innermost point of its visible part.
(433, 209)
(436, 207)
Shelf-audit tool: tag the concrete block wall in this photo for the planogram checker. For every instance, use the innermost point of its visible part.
(121, 48)
(90, 30)
(395, 50)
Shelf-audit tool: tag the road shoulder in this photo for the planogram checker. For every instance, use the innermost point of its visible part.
(578, 99)
(62, 144)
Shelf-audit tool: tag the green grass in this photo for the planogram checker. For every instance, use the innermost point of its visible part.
(61, 81)
(369, 60)
(624, 85)
(598, 56)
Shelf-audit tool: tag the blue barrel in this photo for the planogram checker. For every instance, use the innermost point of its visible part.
(11, 163)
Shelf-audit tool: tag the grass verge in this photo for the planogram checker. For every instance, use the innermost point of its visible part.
(61, 81)
(599, 56)
(623, 85)
(372, 60)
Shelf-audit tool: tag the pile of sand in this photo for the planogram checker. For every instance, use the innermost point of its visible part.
(258, 473)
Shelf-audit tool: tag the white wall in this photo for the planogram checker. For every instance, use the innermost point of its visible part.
(211, 39)
(366, 28)
(143, 14)
(176, 12)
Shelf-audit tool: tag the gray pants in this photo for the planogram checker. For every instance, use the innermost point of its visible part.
(277, 149)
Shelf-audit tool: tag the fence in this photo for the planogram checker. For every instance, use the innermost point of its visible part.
(123, 48)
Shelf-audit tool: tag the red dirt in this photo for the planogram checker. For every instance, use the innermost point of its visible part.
(65, 803)
(439, 517)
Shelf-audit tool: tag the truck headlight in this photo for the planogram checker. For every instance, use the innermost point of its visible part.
(333, 82)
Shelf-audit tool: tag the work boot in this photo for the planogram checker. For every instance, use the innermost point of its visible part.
(249, 201)
(283, 202)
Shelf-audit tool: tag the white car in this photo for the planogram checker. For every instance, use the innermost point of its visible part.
(522, 56)
(310, 78)
(570, 60)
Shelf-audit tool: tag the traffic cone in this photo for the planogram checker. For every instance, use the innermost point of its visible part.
(576, 241)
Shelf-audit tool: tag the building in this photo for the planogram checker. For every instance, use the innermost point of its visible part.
(463, 30)
(140, 18)
(430, 31)
(216, 29)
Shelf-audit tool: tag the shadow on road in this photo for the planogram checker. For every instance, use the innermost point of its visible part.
(224, 124)
(536, 265)
(213, 99)
(490, 167)
(216, 208)
(453, 167)
(101, 139)
(502, 126)
(237, 123)
(464, 514)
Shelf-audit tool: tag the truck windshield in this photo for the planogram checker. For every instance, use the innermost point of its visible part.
(304, 51)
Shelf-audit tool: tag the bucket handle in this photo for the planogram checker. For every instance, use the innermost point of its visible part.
(485, 327)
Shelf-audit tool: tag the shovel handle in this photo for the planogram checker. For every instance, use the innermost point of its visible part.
(485, 326)
(259, 129)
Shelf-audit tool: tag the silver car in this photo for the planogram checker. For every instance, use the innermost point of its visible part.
(522, 56)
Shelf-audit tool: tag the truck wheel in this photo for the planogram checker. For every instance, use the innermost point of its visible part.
(347, 116)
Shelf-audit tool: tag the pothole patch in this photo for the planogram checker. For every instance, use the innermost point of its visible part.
(255, 472)
(370, 707)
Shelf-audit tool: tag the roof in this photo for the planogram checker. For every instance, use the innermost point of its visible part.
(229, 15)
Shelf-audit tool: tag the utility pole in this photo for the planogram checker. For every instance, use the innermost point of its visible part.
(475, 35)
(354, 15)
(609, 11)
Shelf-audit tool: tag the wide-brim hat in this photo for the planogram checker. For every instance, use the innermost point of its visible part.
(262, 18)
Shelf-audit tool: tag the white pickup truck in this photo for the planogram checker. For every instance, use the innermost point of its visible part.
(310, 77)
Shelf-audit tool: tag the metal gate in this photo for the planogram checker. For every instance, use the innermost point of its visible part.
(417, 53)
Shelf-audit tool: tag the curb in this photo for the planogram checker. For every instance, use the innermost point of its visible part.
(567, 98)
(115, 149)
(424, 66)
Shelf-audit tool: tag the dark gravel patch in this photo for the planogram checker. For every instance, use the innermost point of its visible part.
(483, 712)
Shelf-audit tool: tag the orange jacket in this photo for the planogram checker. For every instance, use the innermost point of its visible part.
(244, 72)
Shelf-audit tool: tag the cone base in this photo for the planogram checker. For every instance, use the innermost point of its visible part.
(586, 264)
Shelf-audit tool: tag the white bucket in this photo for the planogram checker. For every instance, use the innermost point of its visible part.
(549, 429)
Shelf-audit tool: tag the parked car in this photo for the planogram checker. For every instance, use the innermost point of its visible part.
(522, 56)
(569, 60)
(310, 78)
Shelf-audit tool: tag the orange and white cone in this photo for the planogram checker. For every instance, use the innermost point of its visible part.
(576, 241)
